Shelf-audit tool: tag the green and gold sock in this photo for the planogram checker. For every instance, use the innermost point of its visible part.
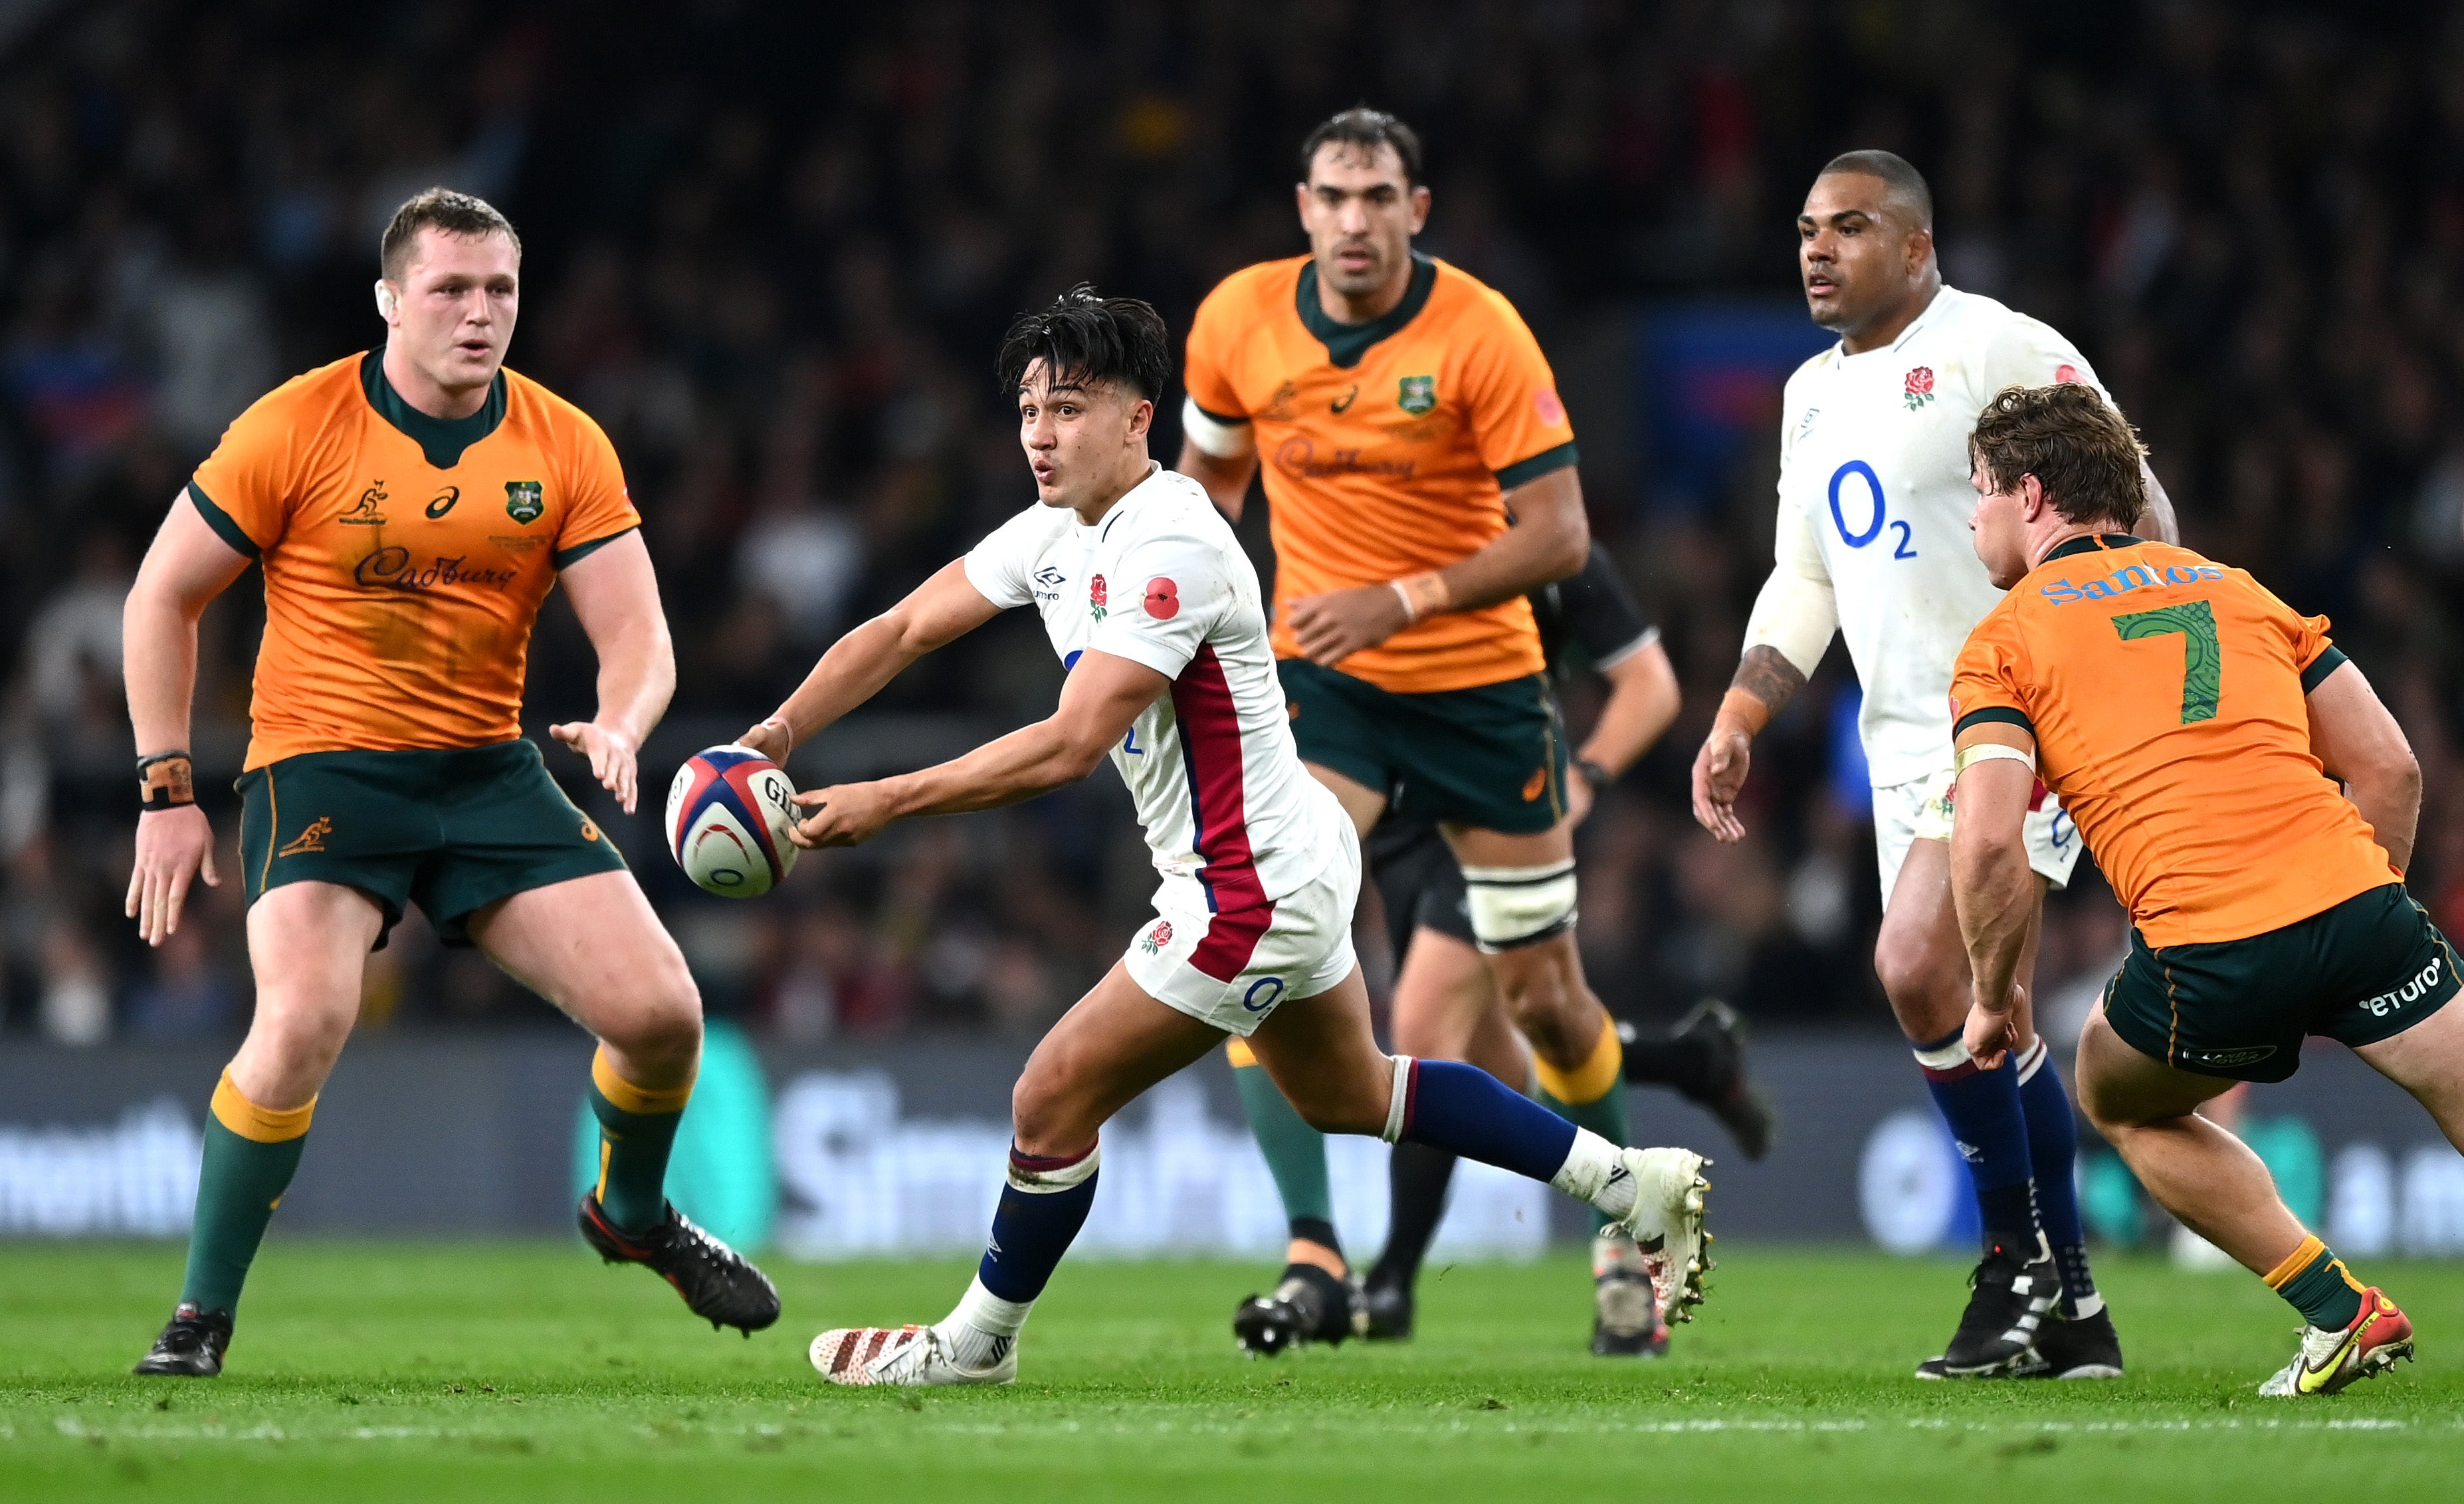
(2316, 1283)
(1295, 1152)
(250, 1153)
(1592, 1094)
(637, 1128)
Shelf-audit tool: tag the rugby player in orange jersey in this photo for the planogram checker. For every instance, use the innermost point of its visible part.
(1421, 475)
(2186, 717)
(411, 508)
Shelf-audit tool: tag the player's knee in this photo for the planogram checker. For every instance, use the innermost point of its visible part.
(304, 1026)
(1921, 988)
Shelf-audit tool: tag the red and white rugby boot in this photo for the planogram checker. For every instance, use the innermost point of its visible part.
(905, 1356)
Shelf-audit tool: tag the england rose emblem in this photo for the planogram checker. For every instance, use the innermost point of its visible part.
(1158, 938)
(1920, 387)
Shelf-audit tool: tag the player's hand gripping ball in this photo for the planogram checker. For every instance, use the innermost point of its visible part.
(728, 815)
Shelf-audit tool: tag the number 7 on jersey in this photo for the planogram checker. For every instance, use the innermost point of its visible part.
(2202, 656)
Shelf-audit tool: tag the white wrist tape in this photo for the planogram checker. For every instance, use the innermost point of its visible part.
(1213, 437)
(1990, 752)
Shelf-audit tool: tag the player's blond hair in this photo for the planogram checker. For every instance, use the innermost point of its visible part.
(2085, 453)
(446, 211)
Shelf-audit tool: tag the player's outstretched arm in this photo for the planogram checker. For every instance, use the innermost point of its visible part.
(2358, 742)
(616, 593)
(1549, 542)
(1100, 700)
(185, 568)
(1990, 882)
(936, 613)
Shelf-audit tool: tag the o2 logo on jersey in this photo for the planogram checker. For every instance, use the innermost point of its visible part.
(1262, 994)
(1877, 521)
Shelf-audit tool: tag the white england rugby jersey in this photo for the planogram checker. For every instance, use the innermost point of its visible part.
(1233, 819)
(1874, 482)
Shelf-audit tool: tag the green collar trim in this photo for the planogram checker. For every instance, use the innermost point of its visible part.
(1347, 342)
(441, 439)
(2089, 545)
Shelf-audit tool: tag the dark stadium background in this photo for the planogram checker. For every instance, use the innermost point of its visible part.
(770, 248)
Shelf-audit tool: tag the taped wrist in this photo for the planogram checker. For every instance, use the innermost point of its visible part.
(1425, 595)
(1515, 906)
(165, 780)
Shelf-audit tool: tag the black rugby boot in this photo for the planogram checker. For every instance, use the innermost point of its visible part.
(718, 1284)
(192, 1346)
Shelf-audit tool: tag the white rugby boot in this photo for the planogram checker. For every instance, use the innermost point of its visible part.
(1666, 1222)
(905, 1356)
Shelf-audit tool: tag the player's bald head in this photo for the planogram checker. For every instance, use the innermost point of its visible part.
(1904, 195)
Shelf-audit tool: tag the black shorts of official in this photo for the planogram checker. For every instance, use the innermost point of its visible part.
(1493, 757)
(2366, 970)
(451, 831)
(1420, 881)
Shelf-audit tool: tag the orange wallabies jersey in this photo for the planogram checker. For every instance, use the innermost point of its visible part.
(2167, 695)
(406, 557)
(1386, 449)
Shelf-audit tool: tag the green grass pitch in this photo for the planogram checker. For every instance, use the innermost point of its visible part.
(365, 1374)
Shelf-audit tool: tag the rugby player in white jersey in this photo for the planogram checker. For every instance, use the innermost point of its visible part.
(1156, 614)
(1873, 543)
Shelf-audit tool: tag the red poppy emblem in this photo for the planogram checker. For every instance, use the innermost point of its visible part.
(1163, 598)
(1095, 592)
(1546, 404)
(1920, 387)
(2066, 374)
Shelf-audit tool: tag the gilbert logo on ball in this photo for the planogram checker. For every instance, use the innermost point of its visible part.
(729, 811)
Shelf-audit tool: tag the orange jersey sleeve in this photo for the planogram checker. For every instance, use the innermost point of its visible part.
(1206, 360)
(260, 470)
(2169, 698)
(601, 509)
(1518, 423)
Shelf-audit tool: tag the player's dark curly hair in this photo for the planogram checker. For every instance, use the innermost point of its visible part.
(1083, 340)
(1367, 129)
(439, 208)
(2085, 453)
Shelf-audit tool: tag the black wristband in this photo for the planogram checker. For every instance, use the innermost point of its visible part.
(1599, 777)
(166, 779)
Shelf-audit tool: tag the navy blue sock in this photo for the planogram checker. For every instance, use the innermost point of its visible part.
(1041, 1208)
(1464, 1110)
(2053, 1153)
(1982, 1108)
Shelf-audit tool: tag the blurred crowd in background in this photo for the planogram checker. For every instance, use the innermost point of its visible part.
(771, 247)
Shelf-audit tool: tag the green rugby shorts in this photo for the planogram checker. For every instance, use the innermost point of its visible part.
(1493, 757)
(2364, 971)
(452, 832)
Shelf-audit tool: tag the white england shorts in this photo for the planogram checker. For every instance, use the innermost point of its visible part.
(1231, 969)
(1920, 810)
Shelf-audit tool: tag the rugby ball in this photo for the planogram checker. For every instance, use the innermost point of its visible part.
(729, 811)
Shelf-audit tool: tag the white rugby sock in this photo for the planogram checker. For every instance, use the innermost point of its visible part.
(1588, 1175)
(983, 1327)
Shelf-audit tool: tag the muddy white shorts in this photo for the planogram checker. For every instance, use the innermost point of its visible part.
(1230, 968)
(1920, 810)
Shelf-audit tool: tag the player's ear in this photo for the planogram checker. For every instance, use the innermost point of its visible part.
(1420, 207)
(1141, 418)
(389, 300)
(1920, 250)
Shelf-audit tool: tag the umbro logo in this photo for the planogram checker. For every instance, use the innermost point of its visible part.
(1968, 1151)
(1049, 577)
